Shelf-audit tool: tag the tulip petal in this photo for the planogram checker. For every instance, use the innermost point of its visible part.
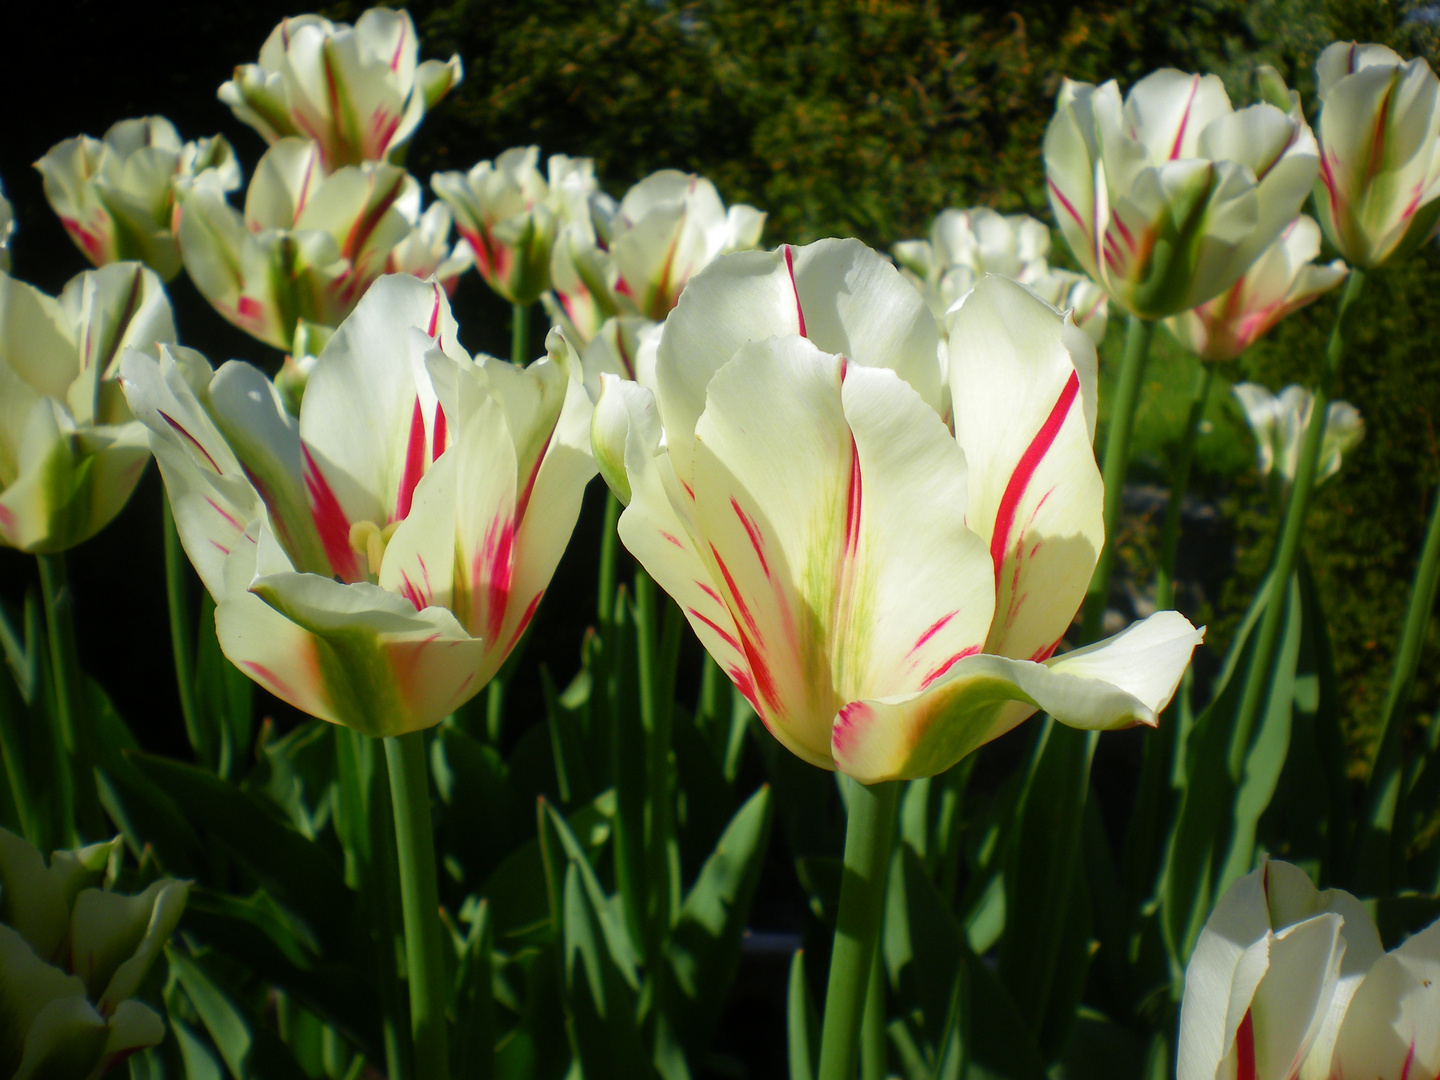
(37, 899)
(1390, 1030)
(28, 987)
(846, 298)
(1023, 392)
(65, 1041)
(114, 938)
(850, 567)
(1125, 680)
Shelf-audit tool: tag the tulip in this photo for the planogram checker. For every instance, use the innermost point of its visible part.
(7, 229)
(1391, 1025)
(426, 252)
(966, 244)
(357, 91)
(624, 347)
(1279, 425)
(1378, 196)
(71, 957)
(116, 196)
(70, 451)
(1167, 198)
(635, 259)
(375, 561)
(307, 246)
(1283, 279)
(508, 211)
(1273, 969)
(885, 593)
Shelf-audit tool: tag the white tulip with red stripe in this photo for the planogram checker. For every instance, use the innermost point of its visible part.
(1272, 972)
(1166, 198)
(357, 90)
(1279, 422)
(885, 593)
(1378, 196)
(1283, 279)
(375, 561)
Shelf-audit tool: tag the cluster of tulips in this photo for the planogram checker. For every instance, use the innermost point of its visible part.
(871, 490)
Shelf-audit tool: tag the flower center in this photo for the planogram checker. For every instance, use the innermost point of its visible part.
(370, 540)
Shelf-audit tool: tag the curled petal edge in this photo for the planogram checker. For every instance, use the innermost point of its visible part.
(1121, 682)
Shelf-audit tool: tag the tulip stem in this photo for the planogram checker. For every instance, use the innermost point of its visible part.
(519, 334)
(1179, 481)
(609, 551)
(419, 901)
(1117, 456)
(77, 791)
(1257, 675)
(180, 625)
(1372, 869)
(869, 836)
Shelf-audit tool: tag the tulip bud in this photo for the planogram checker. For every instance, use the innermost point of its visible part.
(1283, 279)
(1166, 198)
(70, 451)
(71, 957)
(357, 91)
(426, 252)
(116, 196)
(1279, 425)
(1270, 966)
(307, 246)
(508, 213)
(1378, 194)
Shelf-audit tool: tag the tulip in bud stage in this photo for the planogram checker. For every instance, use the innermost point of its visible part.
(375, 561)
(886, 593)
(1279, 423)
(72, 955)
(116, 196)
(1378, 196)
(1283, 279)
(357, 91)
(1167, 197)
(966, 244)
(508, 212)
(307, 246)
(70, 451)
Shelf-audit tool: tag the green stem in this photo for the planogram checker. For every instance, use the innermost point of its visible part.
(74, 771)
(419, 901)
(180, 625)
(1117, 456)
(1179, 481)
(1373, 864)
(1257, 676)
(609, 552)
(869, 836)
(520, 334)
(872, 1029)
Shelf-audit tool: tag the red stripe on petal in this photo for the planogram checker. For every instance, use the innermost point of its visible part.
(229, 517)
(799, 311)
(1245, 1049)
(523, 503)
(1068, 205)
(933, 629)
(524, 621)
(1025, 471)
(672, 539)
(263, 674)
(753, 532)
(441, 433)
(434, 326)
(760, 671)
(852, 505)
(708, 591)
(947, 665)
(1185, 117)
(194, 442)
(724, 635)
(735, 593)
(414, 464)
(330, 521)
(494, 565)
(414, 595)
(842, 731)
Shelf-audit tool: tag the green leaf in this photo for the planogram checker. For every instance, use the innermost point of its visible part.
(248, 1048)
(703, 953)
(297, 872)
(472, 1049)
(921, 947)
(223, 695)
(802, 1022)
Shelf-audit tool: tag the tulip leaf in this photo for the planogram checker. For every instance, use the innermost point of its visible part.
(247, 1046)
(474, 786)
(224, 695)
(472, 1052)
(802, 1022)
(256, 934)
(920, 946)
(703, 952)
(296, 871)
